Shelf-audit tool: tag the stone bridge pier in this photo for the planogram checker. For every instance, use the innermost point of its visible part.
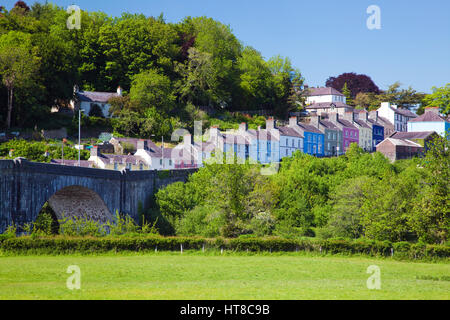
(73, 191)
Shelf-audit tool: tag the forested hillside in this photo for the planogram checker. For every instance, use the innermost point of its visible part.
(167, 70)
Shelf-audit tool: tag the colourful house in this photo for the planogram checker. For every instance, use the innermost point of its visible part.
(332, 134)
(350, 133)
(314, 139)
(431, 120)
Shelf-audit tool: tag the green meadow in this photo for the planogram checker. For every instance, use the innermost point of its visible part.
(169, 275)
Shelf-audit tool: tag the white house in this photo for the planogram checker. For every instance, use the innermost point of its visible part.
(324, 100)
(290, 140)
(431, 120)
(396, 116)
(86, 100)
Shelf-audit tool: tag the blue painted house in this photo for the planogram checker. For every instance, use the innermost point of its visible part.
(377, 128)
(314, 139)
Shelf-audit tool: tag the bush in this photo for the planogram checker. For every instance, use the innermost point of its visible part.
(69, 245)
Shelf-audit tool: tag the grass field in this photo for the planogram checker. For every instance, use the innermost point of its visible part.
(203, 276)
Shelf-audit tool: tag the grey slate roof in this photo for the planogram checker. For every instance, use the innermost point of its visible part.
(401, 142)
(74, 163)
(404, 112)
(346, 123)
(323, 92)
(362, 123)
(429, 116)
(94, 96)
(329, 125)
(323, 105)
(122, 159)
(309, 128)
(412, 135)
(291, 132)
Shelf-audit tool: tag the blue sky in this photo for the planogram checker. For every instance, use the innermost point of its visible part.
(324, 38)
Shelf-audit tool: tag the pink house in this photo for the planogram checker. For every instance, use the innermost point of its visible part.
(350, 133)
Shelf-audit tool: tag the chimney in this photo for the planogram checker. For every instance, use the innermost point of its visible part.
(314, 119)
(243, 127)
(187, 139)
(119, 91)
(94, 151)
(213, 132)
(142, 145)
(293, 122)
(350, 115)
(434, 110)
(270, 124)
(334, 117)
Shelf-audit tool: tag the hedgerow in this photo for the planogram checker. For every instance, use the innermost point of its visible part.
(87, 245)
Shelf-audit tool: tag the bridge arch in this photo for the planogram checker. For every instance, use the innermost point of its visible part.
(79, 201)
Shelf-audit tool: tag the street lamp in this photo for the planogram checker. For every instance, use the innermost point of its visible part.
(79, 136)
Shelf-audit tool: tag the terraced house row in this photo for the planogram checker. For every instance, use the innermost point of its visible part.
(329, 129)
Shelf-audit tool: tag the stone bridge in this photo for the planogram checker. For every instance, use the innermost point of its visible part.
(73, 191)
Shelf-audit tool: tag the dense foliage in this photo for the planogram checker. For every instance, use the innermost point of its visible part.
(356, 83)
(353, 196)
(95, 245)
(41, 151)
(162, 67)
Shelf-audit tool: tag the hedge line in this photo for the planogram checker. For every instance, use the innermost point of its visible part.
(65, 245)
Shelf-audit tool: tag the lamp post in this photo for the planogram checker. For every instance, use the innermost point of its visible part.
(79, 136)
(62, 149)
(162, 151)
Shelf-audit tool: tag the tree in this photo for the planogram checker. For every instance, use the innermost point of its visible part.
(285, 79)
(362, 100)
(431, 215)
(18, 65)
(440, 97)
(255, 80)
(347, 200)
(199, 83)
(404, 98)
(348, 95)
(356, 83)
(152, 89)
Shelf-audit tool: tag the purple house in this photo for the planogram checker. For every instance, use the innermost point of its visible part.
(350, 133)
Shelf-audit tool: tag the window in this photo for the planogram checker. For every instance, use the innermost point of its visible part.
(115, 166)
(160, 162)
(170, 162)
(141, 166)
(293, 143)
(328, 146)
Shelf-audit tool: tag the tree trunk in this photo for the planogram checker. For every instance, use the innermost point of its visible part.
(10, 106)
